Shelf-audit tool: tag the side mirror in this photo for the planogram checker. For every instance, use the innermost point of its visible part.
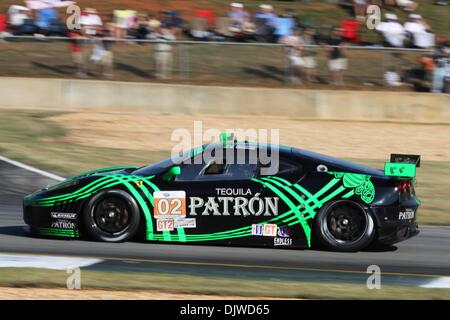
(171, 173)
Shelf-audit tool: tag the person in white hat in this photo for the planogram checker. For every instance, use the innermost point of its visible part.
(419, 32)
(238, 16)
(90, 22)
(407, 5)
(392, 31)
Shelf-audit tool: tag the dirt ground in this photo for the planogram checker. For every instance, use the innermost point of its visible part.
(98, 294)
(363, 140)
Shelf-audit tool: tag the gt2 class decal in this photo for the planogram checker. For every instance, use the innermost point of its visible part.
(234, 202)
(169, 204)
(266, 230)
(165, 224)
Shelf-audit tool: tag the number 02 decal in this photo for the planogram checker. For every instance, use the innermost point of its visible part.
(169, 204)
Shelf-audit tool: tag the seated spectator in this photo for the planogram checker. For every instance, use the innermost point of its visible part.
(3, 23)
(407, 5)
(203, 24)
(351, 28)
(359, 8)
(266, 13)
(90, 22)
(45, 20)
(140, 28)
(419, 32)
(283, 26)
(392, 31)
(265, 22)
(172, 20)
(17, 16)
(238, 16)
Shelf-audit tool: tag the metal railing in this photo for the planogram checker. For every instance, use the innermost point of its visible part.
(224, 63)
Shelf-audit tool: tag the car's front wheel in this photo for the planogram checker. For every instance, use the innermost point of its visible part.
(111, 216)
(344, 226)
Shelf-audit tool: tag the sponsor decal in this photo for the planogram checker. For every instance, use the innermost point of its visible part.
(139, 183)
(236, 202)
(165, 224)
(266, 230)
(406, 215)
(283, 232)
(63, 224)
(169, 204)
(185, 223)
(63, 215)
(282, 241)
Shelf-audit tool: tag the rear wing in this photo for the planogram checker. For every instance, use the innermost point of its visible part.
(402, 165)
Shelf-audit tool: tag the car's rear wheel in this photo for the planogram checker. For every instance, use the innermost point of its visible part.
(111, 216)
(344, 226)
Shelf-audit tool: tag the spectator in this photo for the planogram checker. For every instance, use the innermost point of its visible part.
(392, 31)
(419, 32)
(359, 8)
(17, 16)
(392, 78)
(441, 72)
(309, 63)
(337, 62)
(76, 49)
(294, 46)
(284, 26)
(407, 5)
(90, 22)
(46, 19)
(238, 16)
(163, 52)
(140, 28)
(265, 21)
(3, 24)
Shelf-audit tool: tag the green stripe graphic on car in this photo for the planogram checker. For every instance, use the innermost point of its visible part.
(301, 203)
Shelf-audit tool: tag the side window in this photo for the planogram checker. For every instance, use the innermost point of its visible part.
(286, 167)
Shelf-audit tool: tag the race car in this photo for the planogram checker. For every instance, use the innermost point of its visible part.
(205, 196)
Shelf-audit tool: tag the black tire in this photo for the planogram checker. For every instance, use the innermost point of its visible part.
(111, 216)
(345, 226)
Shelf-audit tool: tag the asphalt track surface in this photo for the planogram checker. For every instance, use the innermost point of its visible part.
(424, 256)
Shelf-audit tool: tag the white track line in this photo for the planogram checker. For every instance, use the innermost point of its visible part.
(32, 169)
(45, 262)
(439, 283)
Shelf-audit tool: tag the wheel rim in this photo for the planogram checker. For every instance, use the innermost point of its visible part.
(346, 224)
(112, 215)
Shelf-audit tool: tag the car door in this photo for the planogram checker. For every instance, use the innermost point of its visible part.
(221, 197)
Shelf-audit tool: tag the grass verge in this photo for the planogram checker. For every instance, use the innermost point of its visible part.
(40, 278)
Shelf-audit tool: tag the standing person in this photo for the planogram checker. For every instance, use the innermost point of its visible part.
(441, 70)
(76, 48)
(293, 49)
(337, 62)
(163, 52)
(308, 55)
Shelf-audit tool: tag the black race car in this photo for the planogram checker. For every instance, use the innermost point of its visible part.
(310, 199)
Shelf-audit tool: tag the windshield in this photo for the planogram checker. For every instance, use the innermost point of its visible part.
(163, 165)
